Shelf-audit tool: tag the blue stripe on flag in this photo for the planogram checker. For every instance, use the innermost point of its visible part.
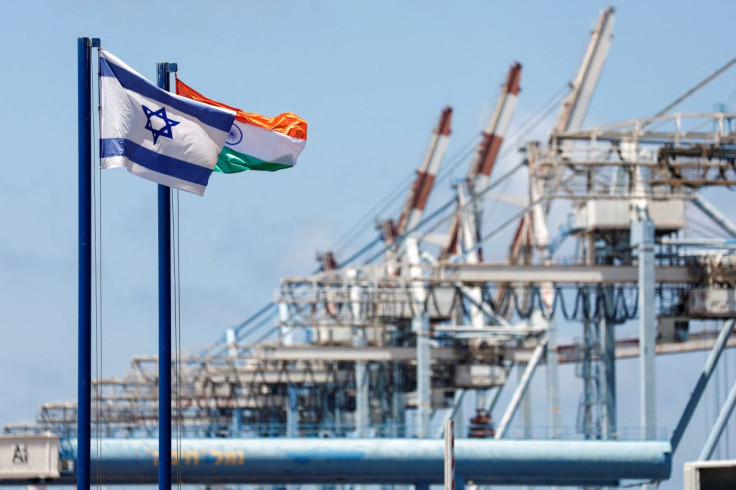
(211, 116)
(105, 70)
(163, 164)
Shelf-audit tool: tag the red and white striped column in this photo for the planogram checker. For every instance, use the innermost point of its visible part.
(496, 130)
(413, 210)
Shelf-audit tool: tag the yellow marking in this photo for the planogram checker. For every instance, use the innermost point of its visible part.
(154, 454)
(218, 456)
(189, 458)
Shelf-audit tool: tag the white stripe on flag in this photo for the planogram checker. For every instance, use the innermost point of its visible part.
(268, 146)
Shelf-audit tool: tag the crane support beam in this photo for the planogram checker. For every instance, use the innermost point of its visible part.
(710, 364)
(521, 388)
(486, 272)
(379, 461)
(329, 353)
(715, 214)
(558, 274)
(642, 233)
(720, 424)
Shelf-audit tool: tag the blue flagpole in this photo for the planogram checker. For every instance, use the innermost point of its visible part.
(84, 278)
(164, 319)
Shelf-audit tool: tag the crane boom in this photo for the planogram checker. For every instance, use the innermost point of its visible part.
(422, 186)
(576, 104)
(496, 130)
(487, 152)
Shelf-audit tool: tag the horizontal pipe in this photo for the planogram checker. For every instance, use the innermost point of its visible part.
(386, 461)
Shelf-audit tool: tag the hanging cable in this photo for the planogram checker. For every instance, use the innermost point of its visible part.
(584, 308)
(95, 296)
(176, 215)
(459, 157)
(398, 190)
(521, 132)
(97, 291)
(396, 193)
(439, 211)
(467, 149)
(349, 236)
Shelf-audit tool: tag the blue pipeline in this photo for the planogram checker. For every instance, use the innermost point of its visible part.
(383, 461)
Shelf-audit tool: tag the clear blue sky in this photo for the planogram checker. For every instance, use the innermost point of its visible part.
(370, 78)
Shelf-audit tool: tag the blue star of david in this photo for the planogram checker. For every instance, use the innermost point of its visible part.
(164, 131)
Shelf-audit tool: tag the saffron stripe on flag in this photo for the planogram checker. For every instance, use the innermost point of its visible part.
(116, 147)
(287, 124)
(135, 83)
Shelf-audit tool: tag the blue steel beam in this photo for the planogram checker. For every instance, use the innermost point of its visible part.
(164, 313)
(720, 424)
(84, 281)
(642, 233)
(381, 461)
(708, 369)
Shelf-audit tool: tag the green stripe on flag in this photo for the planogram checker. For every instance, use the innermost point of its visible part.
(231, 162)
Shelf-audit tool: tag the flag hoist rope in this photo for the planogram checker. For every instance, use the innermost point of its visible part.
(85, 255)
(176, 251)
(97, 255)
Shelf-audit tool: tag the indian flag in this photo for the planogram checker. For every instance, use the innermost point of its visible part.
(256, 142)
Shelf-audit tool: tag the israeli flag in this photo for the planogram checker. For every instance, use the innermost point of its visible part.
(155, 134)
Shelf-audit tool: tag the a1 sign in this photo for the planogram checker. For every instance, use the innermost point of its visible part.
(20, 454)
